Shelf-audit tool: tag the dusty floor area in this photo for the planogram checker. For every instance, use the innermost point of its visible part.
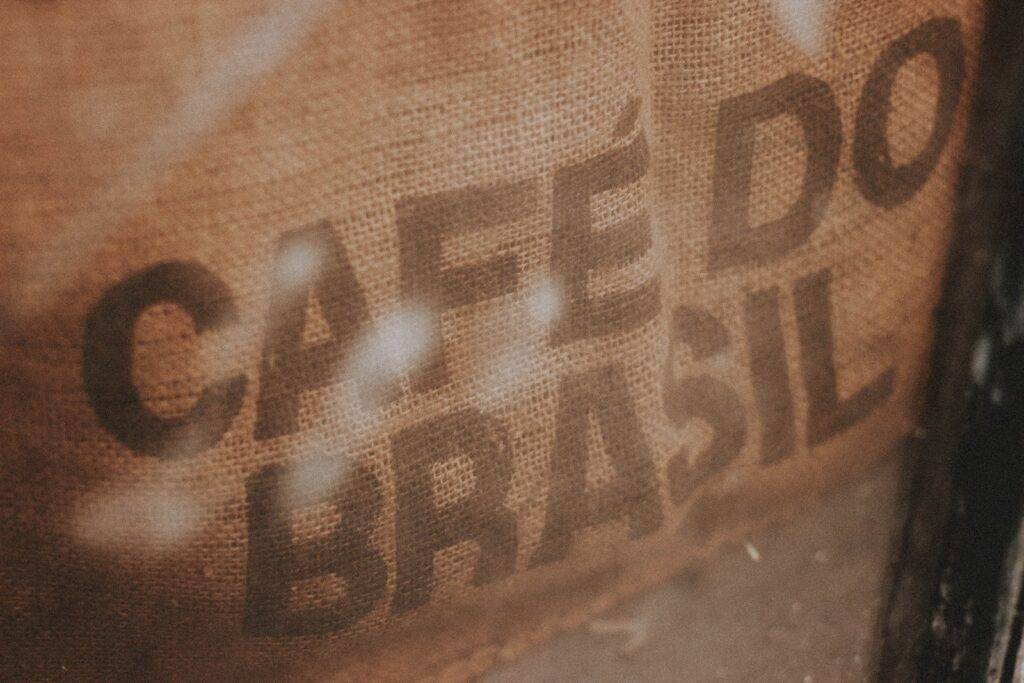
(793, 603)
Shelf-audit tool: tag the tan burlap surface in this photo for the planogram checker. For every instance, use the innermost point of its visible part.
(382, 339)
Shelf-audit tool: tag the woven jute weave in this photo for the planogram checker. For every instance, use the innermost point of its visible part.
(381, 340)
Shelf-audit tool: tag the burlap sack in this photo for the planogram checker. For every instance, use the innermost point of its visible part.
(382, 339)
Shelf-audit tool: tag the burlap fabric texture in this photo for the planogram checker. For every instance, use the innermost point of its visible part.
(382, 339)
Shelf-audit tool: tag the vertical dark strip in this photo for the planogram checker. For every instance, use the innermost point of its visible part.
(961, 485)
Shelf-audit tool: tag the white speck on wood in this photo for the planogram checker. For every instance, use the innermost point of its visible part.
(753, 552)
(980, 359)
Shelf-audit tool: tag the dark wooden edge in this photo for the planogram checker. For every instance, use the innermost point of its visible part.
(962, 476)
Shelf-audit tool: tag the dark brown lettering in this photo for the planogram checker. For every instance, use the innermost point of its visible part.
(634, 491)
(423, 528)
(424, 223)
(277, 562)
(309, 262)
(769, 375)
(703, 397)
(577, 249)
(827, 414)
(879, 180)
(107, 361)
(734, 242)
